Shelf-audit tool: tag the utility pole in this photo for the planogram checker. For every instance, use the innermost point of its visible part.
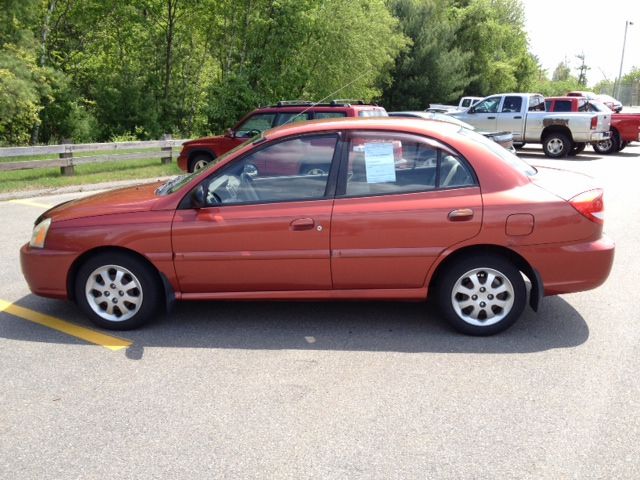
(624, 43)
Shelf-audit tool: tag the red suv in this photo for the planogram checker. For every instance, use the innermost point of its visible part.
(198, 153)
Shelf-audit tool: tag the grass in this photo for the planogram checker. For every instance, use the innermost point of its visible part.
(35, 179)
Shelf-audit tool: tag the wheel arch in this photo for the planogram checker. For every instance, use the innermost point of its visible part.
(537, 286)
(167, 289)
(551, 129)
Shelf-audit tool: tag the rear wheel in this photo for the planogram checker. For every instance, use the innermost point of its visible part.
(556, 145)
(622, 145)
(610, 145)
(481, 295)
(118, 291)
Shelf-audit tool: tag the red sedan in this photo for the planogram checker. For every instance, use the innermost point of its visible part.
(393, 209)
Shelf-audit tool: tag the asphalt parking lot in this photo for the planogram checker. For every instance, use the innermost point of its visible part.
(327, 390)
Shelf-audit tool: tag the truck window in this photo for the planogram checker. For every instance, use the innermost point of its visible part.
(536, 103)
(489, 105)
(512, 104)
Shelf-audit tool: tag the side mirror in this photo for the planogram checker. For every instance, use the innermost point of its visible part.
(230, 133)
(199, 197)
(471, 110)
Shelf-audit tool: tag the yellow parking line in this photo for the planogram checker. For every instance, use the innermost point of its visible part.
(107, 341)
(31, 203)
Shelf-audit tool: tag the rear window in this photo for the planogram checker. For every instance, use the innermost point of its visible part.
(508, 157)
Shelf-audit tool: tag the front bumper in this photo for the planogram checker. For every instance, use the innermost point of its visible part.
(46, 271)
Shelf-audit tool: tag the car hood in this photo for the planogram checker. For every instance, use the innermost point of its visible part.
(139, 198)
(563, 183)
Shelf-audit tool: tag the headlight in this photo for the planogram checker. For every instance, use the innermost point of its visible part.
(39, 233)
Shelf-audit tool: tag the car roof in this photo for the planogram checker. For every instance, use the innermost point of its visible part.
(399, 124)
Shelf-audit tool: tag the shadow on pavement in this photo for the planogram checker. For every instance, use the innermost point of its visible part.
(342, 326)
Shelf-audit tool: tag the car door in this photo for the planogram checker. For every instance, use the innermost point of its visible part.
(401, 200)
(260, 229)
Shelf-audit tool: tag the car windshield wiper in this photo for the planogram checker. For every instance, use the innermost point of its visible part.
(165, 187)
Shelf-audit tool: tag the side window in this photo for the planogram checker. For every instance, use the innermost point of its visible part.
(583, 106)
(255, 124)
(291, 170)
(512, 104)
(536, 103)
(488, 105)
(381, 163)
(319, 115)
(291, 117)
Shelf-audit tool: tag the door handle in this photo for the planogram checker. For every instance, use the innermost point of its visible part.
(491, 118)
(460, 215)
(302, 224)
(518, 117)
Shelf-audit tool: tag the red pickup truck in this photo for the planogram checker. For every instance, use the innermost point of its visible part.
(625, 127)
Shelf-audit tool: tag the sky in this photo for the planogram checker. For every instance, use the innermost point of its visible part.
(560, 29)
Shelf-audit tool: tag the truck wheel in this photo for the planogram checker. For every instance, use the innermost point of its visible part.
(611, 145)
(556, 145)
(199, 161)
(622, 145)
(577, 148)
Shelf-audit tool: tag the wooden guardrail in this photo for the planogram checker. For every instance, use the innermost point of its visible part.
(68, 158)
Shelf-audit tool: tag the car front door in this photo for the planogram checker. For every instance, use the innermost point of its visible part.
(260, 230)
(401, 201)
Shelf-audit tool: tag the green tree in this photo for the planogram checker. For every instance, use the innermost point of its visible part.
(431, 68)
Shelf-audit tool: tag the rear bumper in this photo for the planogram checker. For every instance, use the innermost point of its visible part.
(572, 268)
(599, 136)
(46, 270)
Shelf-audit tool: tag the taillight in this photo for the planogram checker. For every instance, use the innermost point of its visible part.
(590, 204)
(594, 122)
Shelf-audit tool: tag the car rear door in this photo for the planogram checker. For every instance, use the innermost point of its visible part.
(401, 201)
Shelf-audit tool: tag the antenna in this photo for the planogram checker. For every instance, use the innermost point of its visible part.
(323, 99)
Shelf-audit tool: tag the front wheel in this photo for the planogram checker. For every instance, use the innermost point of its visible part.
(199, 161)
(481, 295)
(118, 291)
(556, 145)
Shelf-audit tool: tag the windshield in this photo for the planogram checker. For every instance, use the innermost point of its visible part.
(176, 183)
(513, 160)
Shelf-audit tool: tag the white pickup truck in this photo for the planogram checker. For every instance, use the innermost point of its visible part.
(524, 115)
(463, 104)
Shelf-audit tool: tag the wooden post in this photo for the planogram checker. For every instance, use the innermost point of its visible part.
(67, 170)
(167, 150)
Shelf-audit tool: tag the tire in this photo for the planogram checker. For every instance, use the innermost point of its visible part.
(556, 145)
(606, 147)
(577, 148)
(474, 306)
(313, 170)
(622, 145)
(199, 161)
(118, 291)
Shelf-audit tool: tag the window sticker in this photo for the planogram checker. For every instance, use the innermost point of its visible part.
(379, 162)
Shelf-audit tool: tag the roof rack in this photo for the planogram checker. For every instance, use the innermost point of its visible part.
(346, 101)
(293, 103)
